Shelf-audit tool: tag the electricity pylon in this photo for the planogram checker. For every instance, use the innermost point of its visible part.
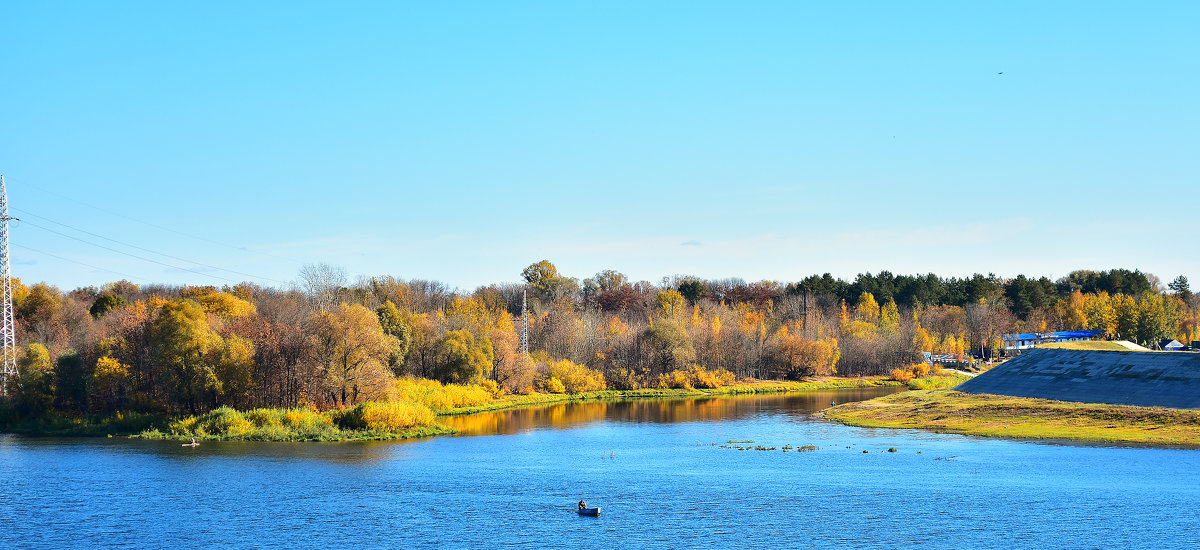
(8, 338)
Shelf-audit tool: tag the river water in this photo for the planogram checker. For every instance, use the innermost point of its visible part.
(664, 472)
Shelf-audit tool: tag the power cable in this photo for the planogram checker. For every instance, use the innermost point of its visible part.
(80, 263)
(130, 255)
(252, 276)
(156, 226)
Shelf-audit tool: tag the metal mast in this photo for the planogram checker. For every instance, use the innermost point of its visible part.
(524, 328)
(9, 337)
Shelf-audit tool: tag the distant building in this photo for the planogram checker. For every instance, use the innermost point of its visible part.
(1171, 345)
(1027, 340)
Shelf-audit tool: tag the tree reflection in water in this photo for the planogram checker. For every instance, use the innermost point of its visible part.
(692, 409)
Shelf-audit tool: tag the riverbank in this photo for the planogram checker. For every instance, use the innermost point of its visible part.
(375, 421)
(1023, 418)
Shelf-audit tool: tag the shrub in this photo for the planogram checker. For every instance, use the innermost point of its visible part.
(553, 385)
(393, 416)
(709, 379)
(438, 396)
(902, 375)
(572, 377)
(623, 379)
(675, 379)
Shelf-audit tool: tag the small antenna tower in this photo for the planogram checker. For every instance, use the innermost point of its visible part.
(9, 337)
(524, 327)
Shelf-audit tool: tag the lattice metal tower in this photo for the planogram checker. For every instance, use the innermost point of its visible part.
(9, 337)
(524, 328)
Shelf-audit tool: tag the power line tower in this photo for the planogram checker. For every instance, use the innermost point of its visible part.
(524, 328)
(8, 338)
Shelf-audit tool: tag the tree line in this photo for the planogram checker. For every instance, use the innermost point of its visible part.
(329, 343)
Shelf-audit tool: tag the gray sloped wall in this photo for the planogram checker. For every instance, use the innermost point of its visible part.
(1163, 379)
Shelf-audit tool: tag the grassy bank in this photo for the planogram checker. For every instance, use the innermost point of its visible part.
(412, 412)
(1023, 418)
(1087, 345)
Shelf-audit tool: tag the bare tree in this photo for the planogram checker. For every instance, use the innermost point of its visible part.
(322, 282)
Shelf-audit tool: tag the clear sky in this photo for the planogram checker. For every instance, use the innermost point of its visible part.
(460, 141)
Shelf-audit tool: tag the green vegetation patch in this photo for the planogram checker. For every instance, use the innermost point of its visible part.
(937, 382)
(1023, 418)
(370, 420)
(1087, 345)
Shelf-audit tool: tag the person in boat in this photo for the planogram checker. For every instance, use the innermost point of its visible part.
(582, 505)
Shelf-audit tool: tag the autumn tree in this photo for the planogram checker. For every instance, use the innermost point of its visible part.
(109, 384)
(670, 303)
(105, 303)
(32, 389)
(1099, 313)
(352, 351)
(391, 321)
(795, 357)
(1125, 312)
(1158, 318)
(545, 279)
(462, 359)
(669, 345)
(867, 309)
(202, 369)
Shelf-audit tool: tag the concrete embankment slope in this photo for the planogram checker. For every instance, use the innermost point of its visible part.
(1167, 379)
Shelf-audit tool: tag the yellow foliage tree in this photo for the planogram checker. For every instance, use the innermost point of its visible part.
(110, 381)
(922, 341)
(796, 357)
(353, 353)
(1072, 310)
(225, 305)
(670, 303)
(889, 317)
(1100, 314)
(867, 309)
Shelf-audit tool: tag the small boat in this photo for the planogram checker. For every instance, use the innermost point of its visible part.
(589, 511)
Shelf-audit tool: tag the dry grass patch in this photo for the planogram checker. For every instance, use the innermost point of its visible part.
(1021, 417)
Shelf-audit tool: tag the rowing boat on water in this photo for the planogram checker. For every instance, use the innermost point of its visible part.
(589, 511)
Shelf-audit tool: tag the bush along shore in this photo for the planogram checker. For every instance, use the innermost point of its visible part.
(412, 413)
(1023, 418)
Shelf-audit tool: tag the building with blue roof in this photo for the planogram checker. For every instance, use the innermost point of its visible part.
(1027, 340)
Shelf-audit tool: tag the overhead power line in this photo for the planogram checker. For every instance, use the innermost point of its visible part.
(65, 259)
(122, 252)
(163, 228)
(252, 276)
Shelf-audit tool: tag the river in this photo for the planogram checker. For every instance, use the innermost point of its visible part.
(667, 474)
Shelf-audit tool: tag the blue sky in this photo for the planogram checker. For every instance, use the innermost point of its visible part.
(232, 141)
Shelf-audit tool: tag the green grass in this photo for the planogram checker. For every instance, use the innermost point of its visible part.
(370, 420)
(1088, 345)
(1023, 418)
(937, 382)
